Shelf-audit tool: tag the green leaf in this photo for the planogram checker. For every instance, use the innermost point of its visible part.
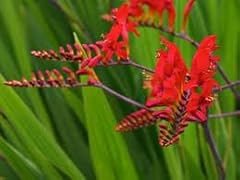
(108, 150)
(33, 133)
(22, 166)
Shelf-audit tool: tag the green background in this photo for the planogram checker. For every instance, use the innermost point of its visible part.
(69, 133)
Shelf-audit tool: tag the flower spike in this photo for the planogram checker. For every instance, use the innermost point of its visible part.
(72, 53)
(53, 78)
(174, 125)
(101, 52)
(136, 120)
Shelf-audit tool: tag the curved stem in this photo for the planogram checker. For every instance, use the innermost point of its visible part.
(183, 36)
(225, 78)
(228, 114)
(128, 63)
(120, 96)
(214, 151)
(140, 67)
(232, 84)
(137, 104)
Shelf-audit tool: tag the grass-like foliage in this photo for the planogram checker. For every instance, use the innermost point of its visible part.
(69, 133)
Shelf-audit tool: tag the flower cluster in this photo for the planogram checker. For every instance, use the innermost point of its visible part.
(178, 95)
(172, 80)
(182, 95)
(115, 43)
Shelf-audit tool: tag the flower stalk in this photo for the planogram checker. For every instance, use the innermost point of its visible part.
(120, 96)
(215, 153)
(223, 115)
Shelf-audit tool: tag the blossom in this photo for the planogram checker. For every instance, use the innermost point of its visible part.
(203, 69)
(170, 71)
(177, 95)
(111, 48)
(155, 7)
(117, 40)
(87, 55)
(122, 25)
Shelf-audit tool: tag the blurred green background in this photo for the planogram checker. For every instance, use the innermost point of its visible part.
(69, 133)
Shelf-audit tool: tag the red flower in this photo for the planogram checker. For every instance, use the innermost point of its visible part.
(171, 78)
(117, 40)
(136, 9)
(169, 73)
(110, 48)
(155, 6)
(122, 25)
(204, 63)
(202, 72)
(178, 96)
(167, 5)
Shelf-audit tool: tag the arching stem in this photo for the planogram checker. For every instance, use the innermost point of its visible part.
(215, 153)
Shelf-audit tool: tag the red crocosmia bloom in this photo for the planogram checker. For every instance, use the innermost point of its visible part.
(135, 8)
(202, 72)
(170, 71)
(177, 95)
(186, 13)
(204, 63)
(122, 25)
(111, 48)
(167, 5)
(155, 6)
(117, 40)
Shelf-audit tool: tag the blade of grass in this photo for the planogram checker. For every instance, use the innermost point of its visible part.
(109, 152)
(24, 168)
(30, 129)
(10, 12)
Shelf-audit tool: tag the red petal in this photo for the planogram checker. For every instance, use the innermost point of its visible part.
(114, 33)
(122, 14)
(203, 65)
(169, 76)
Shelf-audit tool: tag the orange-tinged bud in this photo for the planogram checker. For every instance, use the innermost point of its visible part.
(187, 11)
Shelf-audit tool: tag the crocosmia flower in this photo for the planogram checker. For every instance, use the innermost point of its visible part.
(178, 95)
(155, 7)
(117, 40)
(122, 25)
